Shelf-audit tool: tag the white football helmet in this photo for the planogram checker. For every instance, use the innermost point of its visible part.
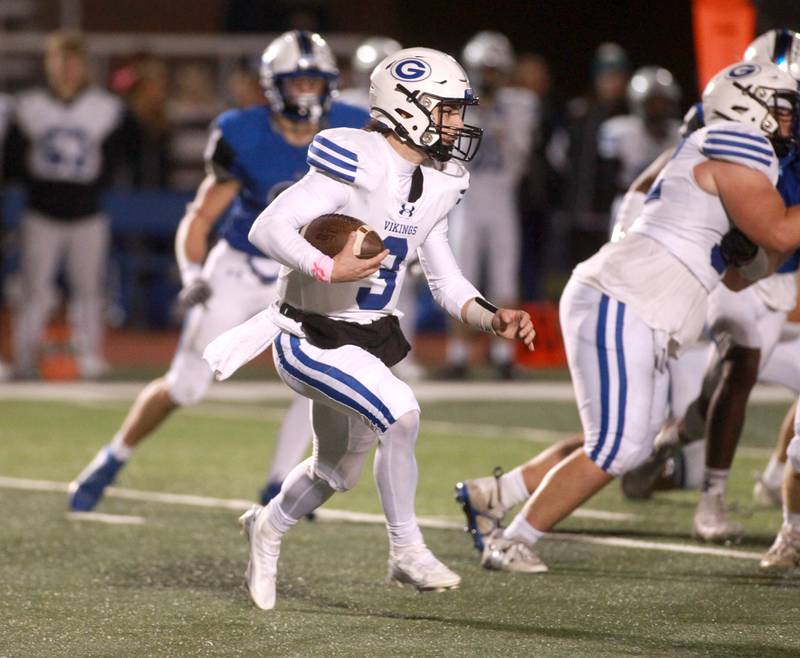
(372, 51)
(298, 53)
(488, 50)
(781, 47)
(650, 81)
(405, 91)
(749, 92)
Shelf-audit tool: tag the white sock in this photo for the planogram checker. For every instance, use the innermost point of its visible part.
(119, 450)
(520, 530)
(501, 350)
(773, 473)
(457, 351)
(791, 519)
(512, 488)
(715, 480)
(403, 535)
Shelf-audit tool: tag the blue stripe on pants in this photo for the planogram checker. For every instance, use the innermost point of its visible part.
(602, 358)
(623, 386)
(325, 388)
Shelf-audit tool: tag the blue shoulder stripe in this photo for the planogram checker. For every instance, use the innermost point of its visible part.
(333, 160)
(733, 133)
(335, 147)
(733, 142)
(330, 170)
(736, 154)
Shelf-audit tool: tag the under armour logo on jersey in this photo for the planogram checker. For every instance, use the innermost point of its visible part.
(406, 210)
(412, 69)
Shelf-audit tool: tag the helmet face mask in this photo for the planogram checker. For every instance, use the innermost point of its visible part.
(416, 92)
(294, 55)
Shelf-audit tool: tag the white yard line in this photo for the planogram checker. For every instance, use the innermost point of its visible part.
(113, 519)
(360, 517)
(548, 391)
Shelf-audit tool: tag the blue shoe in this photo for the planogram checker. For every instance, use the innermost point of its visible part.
(272, 489)
(480, 500)
(85, 491)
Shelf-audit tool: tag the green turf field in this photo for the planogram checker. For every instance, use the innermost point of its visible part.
(174, 586)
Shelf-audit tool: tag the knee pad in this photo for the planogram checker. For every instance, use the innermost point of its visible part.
(188, 378)
(345, 475)
(793, 453)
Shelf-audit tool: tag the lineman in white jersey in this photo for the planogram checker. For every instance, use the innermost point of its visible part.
(636, 302)
(486, 227)
(338, 336)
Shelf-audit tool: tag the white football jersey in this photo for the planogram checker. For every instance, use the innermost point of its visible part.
(626, 139)
(668, 286)
(688, 221)
(371, 183)
(67, 138)
(507, 124)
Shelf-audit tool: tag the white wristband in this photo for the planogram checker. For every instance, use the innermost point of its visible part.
(757, 267)
(478, 315)
(190, 272)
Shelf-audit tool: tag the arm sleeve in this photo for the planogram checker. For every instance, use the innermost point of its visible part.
(448, 286)
(276, 230)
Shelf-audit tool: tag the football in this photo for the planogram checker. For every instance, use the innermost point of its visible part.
(329, 234)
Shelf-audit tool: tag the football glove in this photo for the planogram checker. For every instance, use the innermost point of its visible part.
(196, 292)
(736, 248)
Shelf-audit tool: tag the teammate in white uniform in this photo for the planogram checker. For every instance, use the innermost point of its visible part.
(638, 301)
(253, 154)
(486, 228)
(627, 144)
(338, 333)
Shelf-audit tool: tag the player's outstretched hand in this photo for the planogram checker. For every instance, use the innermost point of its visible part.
(348, 267)
(513, 323)
(197, 292)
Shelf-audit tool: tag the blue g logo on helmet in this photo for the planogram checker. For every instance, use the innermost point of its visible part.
(742, 71)
(411, 70)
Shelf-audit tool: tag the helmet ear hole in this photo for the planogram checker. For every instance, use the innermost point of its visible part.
(404, 114)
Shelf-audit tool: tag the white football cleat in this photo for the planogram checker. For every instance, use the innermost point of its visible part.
(766, 495)
(501, 554)
(265, 546)
(480, 500)
(784, 554)
(417, 566)
(712, 523)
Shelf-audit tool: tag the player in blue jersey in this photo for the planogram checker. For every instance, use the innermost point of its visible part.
(252, 155)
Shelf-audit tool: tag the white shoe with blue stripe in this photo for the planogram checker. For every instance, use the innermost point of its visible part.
(417, 566)
(265, 547)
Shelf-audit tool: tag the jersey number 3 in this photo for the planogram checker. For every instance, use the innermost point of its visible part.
(375, 301)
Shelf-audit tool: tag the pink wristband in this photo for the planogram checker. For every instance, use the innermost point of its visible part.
(322, 269)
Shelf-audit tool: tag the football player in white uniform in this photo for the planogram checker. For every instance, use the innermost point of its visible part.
(337, 335)
(638, 301)
(627, 144)
(486, 226)
(253, 153)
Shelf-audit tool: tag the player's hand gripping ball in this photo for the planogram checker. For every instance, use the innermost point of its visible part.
(329, 234)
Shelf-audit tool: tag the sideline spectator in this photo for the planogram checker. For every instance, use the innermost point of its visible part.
(584, 214)
(65, 142)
